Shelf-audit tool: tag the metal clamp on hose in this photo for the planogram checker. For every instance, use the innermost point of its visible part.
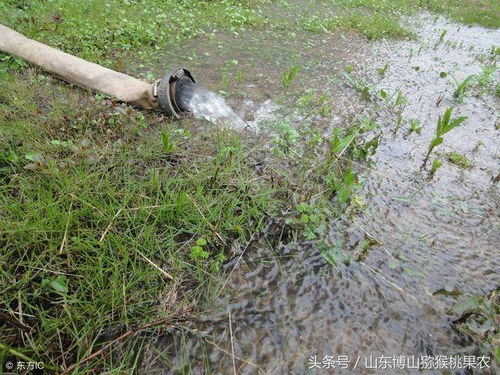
(165, 90)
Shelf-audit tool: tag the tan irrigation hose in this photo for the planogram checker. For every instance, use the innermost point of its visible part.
(78, 71)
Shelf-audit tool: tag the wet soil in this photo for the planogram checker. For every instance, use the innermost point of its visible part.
(288, 303)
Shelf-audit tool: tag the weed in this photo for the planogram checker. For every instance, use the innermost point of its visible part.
(334, 254)
(359, 84)
(462, 87)
(168, 146)
(436, 164)
(415, 126)
(100, 30)
(92, 231)
(373, 27)
(364, 248)
(287, 77)
(383, 94)
(306, 99)
(311, 219)
(383, 70)
(346, 186)
(486, 79)
(441, 38)
(444, 124)
(380, 19)
(396, 99)
(477, 317)
(410, 55)
(399, 121)
(198, 252)
(13, 63)
(286, 137)
(399, 101)
(477, 146)
(458, 159)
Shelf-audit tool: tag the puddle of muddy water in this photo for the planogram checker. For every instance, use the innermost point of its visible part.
(288, 304)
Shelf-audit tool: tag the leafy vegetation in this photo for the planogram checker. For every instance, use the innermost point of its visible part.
(287, 77)
(458, 159)
(477, 317)
(415, 126)
(110, 31)
(378, 19)
(462, 87)
(359, 84)
(108, 200)
(444, 124)
(372, 27)
(114, 214)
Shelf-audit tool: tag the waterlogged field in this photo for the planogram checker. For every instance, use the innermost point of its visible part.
(351, 227)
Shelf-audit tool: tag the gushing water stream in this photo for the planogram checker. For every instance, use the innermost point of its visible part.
(205, 104)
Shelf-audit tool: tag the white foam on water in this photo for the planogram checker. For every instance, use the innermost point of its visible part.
(212, 107)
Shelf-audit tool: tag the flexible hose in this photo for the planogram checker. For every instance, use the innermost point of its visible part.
(78, 71)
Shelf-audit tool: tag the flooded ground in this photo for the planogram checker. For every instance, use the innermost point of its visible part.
(283, 306)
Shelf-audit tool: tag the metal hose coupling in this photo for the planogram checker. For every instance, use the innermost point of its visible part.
(165, 91)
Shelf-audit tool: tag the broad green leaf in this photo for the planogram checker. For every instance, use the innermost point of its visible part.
(344, 194)
(60, 284)
(466, 304)
(201, 242)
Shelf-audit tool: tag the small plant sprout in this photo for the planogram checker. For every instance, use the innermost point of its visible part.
(383, 70)
(168, 146)
(399, 121)
(359, 84)
(415, 126)
(383, 94)
(486, 78)
(443, 126)
(198, 251)
(287, 77)
(441, 38)
(436, 164)
(399, 101)
(462, 87)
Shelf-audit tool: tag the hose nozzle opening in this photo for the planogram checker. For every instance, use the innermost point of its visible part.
(166, 90)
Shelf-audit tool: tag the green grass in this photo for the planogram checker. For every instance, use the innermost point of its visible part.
(109, 31)
(377, 19)
(110, 220)
(88, 196)
(373, 27)
(100, 207)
